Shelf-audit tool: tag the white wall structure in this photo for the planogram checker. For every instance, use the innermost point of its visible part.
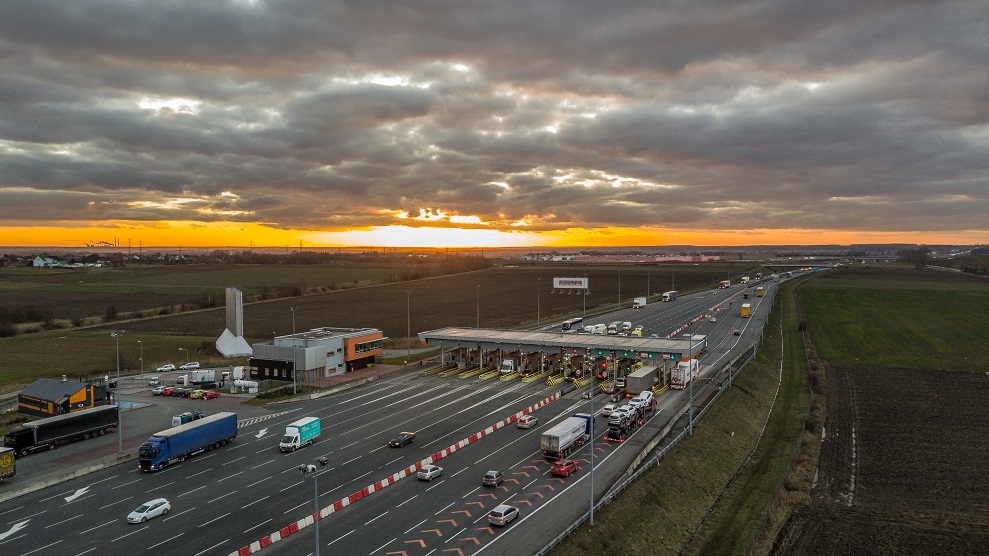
(231, 342)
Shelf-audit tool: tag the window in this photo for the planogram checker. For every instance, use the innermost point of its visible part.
(365, 347)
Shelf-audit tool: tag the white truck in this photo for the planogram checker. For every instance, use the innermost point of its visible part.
(600, 329)
(684, 372)
(560, 440)
(614, 327)
(670, 295)
(639, 302)
(203, 377)
(744, 280)
(511, 365)
(298, 434)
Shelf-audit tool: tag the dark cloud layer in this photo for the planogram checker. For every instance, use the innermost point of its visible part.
(852, 115)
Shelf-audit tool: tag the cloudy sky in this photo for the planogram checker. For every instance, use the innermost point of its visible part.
(424, 122)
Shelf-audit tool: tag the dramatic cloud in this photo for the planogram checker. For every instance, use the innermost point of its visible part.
(868, 116)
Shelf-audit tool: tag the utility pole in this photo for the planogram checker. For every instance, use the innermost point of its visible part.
(295, 360)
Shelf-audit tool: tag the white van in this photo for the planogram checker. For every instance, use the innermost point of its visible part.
(646, 396)
(600, 328)
(626, 326)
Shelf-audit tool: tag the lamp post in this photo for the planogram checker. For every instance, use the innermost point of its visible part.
(408, 322)
(295, 360)
(690, 376)
(585, 297)
(591, 400)
(311, 470)
(539, 282)
(186, 350)
(478, 325)
(619, 288)
(142, 357)
(116, 398)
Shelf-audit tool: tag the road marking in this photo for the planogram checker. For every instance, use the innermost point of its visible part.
(194, 474)
(231, 476)
(379, 517)
(256, 526)
(63, 521)
(131, 533)
(84, 552)
(290, 486)
(117, 502)
(42, 548)
(254, 502)
(162, 486)
(98, 526)
(233, 460)
(420, 523)
(32, 515)
(296, 507)
(214, 519)
(445, 508)
(15, 528)
(125, 484)
(340, 537)
(261, 433)
(13, 510)
(382, 547)
(212, 547)
(77, 494)
(351, 460)
(409, 500)
(222, 496)
(191, 491)
(173, 516)
(165, 541)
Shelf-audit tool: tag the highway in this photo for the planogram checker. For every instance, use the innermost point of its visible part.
(227, 498)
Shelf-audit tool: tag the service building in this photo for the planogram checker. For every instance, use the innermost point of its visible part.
(318, 353)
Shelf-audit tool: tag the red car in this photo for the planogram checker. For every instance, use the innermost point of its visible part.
(209, 395)
(563, 467)
(167, 391)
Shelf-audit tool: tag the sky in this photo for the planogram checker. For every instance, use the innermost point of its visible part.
(505, 123)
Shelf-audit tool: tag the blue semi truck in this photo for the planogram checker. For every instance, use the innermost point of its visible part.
(177, 443)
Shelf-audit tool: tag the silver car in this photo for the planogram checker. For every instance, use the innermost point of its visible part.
(154, 508)
(502, 515)
(429, 472)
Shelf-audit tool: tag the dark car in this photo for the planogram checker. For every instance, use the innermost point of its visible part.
(736, 333)
(563, 467)
(401, 439)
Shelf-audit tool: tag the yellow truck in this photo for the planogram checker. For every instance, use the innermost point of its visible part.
(759, 291)
(746, 309)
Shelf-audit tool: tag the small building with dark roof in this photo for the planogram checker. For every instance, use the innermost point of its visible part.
(47, 397)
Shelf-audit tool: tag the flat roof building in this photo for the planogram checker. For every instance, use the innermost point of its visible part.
(318, 353)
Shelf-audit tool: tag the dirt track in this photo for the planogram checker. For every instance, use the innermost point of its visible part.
(903, 466)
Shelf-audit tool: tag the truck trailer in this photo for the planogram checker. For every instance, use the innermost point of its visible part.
(177, 443)
(641, 380)
(7, 468)
(670, 296)
(760, 291)
(746, 310)
(684, 372)
(639, 302)
(49, 432)
(724, 284)
(560, 440)
(298, 434)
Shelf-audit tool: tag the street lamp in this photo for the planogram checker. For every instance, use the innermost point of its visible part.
(539, 283)
(591, 400)
(585, 297)
(619, 288)
(116, 398)
(310, 469)
(690, 376)
(186, 350)
(142, 357)
(295, 360)
(408, 322)
(478, 325)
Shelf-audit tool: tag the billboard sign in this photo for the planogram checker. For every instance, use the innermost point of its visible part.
(571, 283)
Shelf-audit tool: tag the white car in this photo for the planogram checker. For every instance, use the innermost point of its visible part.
(154, 508)
(190, 366)
(166, 368)
(714, 319)
(157, 391)
(608, 409)
(527, 421)
(429, 472)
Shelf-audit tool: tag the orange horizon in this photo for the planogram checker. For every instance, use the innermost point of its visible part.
(232, 234)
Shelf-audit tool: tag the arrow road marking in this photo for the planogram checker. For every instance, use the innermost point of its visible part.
(78, 493)
(261, 433)
(15, 528)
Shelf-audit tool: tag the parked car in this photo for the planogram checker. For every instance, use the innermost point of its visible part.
(158, 391)
(154, 381)
(401, 439)
(210, 394)
(196, 394)
(608, 409)
(563, 467)
(154, 508)
(493, 478)
(429, 472)
(190, 366)
(502, 515)
(166, 368)
(168, 391)
(527, 422)
(183, 392)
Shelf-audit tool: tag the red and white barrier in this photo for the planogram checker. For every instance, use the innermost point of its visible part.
(366, 491)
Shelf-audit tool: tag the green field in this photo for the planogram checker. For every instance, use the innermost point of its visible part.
(900, 318)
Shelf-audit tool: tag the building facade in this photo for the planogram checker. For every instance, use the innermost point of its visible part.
(318, 353)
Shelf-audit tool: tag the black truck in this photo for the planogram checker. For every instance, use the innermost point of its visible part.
(49, 432)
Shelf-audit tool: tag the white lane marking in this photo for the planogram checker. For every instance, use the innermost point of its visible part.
(222, 496)
(173, 516)
(383, 546)
(117, 502)
(42, 548)
(290, 486)
(261, 433)
(212, 547)
(13, 510)
(86, 551)
(161, 486)
(407, 501)
(340, 537)
(379, 517)
(231, 476)
(63, 521)
(125, 484)
(15, 528)
(97, 527)
(131, 533)
(191, 491)
(165, 541)
(77, 494)
(257, 526)
(214, 519)
(255, 502)
(234, 460)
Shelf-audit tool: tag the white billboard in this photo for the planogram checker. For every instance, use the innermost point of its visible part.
(571, 283)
